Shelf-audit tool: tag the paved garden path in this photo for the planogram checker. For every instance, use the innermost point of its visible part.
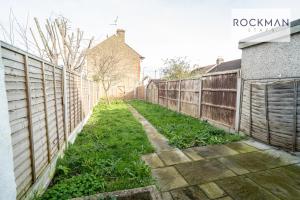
(240, 170)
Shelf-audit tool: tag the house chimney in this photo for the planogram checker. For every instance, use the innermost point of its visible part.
(121, 34)
(219, 60)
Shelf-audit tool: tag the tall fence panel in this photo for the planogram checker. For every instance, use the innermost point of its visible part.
(270, 112)
(218, 101)
(214, 97)
(36, 91)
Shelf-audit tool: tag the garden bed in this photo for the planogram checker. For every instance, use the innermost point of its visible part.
(182, 131)
(105, 157)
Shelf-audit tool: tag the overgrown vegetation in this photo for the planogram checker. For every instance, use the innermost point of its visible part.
(176, 68)
(182, 131)
(105, 156)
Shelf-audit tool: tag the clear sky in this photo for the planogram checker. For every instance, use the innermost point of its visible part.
(157, 29)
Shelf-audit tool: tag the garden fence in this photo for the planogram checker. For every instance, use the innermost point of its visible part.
(214, 97)
(47, 105)
(270, 111)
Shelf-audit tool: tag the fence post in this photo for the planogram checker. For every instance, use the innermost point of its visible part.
(294, 142)
(29, 107)
(200, 98)
(55, 103)
(238, 101)
(179, 97)
(241, 103)
(267, 113)
(74, 101)
(89, 95)
(167, 93)
(158, 93)
(65, 104)
(46, 112)
(81, 97)
(69, 103)
(250, 110)
(7, 176)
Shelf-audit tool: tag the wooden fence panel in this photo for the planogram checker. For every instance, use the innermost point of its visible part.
(162, 94)
(38, 115)
(213, 97)
(59, 104)
(270, 112)
(54, 142)
(189, 97)
(218, 101)
(173, 94)
(35, 95)
(15, 80)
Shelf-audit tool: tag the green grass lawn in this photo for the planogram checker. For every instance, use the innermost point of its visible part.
(105, 156)
(182, 131)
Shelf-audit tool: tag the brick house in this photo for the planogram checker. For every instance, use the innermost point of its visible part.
(129, 63)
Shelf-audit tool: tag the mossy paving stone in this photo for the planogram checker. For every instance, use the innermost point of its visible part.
(190, 152)
(214, 151)
(203, 171)
(232, 165)
(280, 181)
(173, 157)
(212, 190)
(241, 147)
(189, 193)
(166, 196)
(253, 161)
(152, 160)
(168, 178)
(242, 188)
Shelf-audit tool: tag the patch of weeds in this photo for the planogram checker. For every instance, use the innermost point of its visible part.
(105, 156)
(182, 131)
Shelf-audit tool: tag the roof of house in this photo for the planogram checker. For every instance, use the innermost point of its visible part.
(115, 37)
(202, 70)
(227, 66)
(155, 81)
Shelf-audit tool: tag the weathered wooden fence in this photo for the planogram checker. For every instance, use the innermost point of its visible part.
(270, 112)
(47, 104)
(214, 97)
(140, 92)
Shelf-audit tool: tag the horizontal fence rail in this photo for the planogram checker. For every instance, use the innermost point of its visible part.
(214, 97)
(46, 104)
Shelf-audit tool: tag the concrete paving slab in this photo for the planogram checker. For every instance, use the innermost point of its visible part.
(283, 183)
(212, 190)
(214, 151)
(168, 178)
(241, 147)
(190, 152)
(173, 157)
(241, 188)
(253, 161)
(166, 196)
(188, 193)
(226, 198)
(256, 144)
(203, 171)
(283, 156)
(153, 160)
(234, 166)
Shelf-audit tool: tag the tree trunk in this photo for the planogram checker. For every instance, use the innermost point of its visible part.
(106, 93)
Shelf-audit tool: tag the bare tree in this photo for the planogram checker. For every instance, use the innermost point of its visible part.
(106, 69)
(59, 43)
(16, 32)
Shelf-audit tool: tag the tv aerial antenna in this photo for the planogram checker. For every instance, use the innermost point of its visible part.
(115, 23)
